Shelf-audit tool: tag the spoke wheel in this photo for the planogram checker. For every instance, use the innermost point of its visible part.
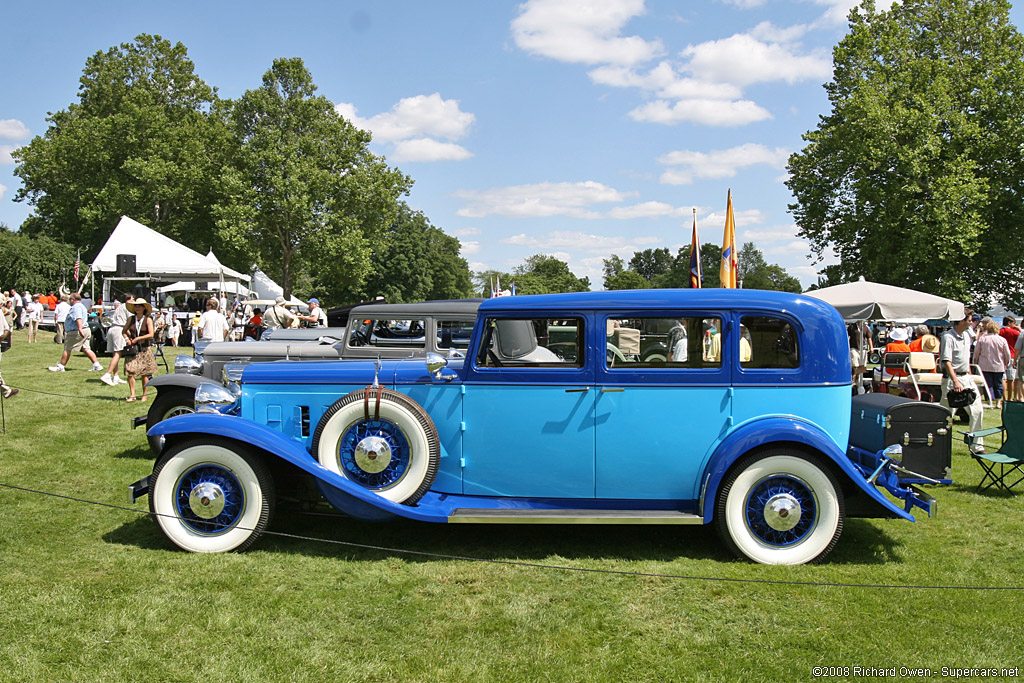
(780, 507)
(211, 496)
(395, 453)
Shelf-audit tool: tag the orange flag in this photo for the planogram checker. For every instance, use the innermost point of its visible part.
(727, 269)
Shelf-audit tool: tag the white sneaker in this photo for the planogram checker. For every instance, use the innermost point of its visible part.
(95, 367)
(118, 380)
(56, 368)
(107, 380)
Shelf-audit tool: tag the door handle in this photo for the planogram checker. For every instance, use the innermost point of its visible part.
(577, 391)
(612, 391)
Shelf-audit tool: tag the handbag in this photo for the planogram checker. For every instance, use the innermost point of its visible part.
(131, 349)
(960, 399)
(5, 345)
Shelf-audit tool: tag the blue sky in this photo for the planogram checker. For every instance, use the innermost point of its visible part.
(568, 127)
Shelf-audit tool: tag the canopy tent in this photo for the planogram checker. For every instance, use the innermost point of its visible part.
(215, 286)
(158, 256)
(265, 288)
(863, 300)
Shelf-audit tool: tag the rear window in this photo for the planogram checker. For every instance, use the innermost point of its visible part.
(454, 333)
(768, 343)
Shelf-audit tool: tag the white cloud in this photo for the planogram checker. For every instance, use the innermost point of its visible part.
(575, 241)
(663, 81)
(794, 247)
(5, 154)
(466, 232)
(425, 149)
(704, 111)
(582, 31)
(776, 234)
(722, 163)
(743, 59)
(478, 266)
(744, 4)
(647, 210)
(3, 189)
(469, 247)
(742, 218)
(13, 129)
(422, 115)
(836, 12)
(541, 199)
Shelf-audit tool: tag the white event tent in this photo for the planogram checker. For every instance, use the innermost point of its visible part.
(863, 300)
(158, 257)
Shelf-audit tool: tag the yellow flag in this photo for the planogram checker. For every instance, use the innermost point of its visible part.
(727, 269)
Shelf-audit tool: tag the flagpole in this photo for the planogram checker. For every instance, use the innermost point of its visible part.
(696, 272)
(728, 265)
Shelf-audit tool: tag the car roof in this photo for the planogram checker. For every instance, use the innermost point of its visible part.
(423, 308)
(656, 299)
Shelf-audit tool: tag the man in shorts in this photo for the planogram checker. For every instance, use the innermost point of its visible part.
(76, 335)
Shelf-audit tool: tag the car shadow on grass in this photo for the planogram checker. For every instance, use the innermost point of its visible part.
(140, 452)
(332, 535)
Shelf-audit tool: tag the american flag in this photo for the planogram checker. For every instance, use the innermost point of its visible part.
(78, 263)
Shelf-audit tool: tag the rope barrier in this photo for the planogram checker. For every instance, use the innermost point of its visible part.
(540, 565)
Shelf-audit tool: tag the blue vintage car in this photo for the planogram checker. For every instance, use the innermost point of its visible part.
(556, 415)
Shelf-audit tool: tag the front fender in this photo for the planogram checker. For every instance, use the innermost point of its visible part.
(273, 442)
(779, 430)
(177, 380)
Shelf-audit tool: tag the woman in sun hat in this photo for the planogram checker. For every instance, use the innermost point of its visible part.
(139, 330)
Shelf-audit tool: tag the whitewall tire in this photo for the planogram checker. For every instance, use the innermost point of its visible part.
(395, 453)
(211, 495)
(780, 507)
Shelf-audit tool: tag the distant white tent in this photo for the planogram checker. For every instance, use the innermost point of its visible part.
(863, 300)
(214, 286)
(158, 256)
(266, 289)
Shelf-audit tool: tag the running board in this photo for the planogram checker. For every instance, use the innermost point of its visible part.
(534, 516)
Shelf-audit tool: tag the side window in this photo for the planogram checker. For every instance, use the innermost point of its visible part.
(454, 333)
(531, 342)
(388, 333)
(683, 342)
(768, 343)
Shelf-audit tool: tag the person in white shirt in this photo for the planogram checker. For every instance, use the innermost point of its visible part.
(115, 341)
(35, 316)
(5, 332)
(59, 314)
(317, 316)
(212, 324)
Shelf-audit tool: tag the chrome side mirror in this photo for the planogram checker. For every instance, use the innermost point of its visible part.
(435, 364)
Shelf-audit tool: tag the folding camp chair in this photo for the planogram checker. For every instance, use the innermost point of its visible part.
(1009, 459)
(158, 349)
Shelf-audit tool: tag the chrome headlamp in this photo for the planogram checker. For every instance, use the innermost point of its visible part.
(231, 377)
(217, 398)
(187, 365)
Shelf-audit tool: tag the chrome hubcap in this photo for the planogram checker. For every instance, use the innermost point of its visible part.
(782, 512)
(206, 500)
(373, 454)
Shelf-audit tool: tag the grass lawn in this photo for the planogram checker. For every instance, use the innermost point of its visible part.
(91, 593)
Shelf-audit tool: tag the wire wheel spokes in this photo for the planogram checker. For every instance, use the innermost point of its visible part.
(209, 499)
(781, 511)
(375, 454)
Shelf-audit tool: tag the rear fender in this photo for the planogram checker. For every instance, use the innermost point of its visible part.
(783, 431)
(340, 492)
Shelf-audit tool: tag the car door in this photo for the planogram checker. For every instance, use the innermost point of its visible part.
(528, 408)
(657, 421)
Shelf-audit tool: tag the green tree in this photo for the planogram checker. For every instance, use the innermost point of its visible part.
(650, 263)
(627, 279)
(37, 264)
(141, 141)
(916, 177)
(543, 274)
(755, 273)
(306, 199)
(417, 262)
(678, 274)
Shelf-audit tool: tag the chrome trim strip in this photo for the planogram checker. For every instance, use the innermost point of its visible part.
(489, 516)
